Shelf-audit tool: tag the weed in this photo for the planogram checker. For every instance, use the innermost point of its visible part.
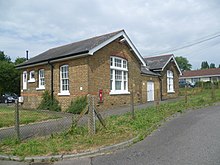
(77, 105)
(47, 103)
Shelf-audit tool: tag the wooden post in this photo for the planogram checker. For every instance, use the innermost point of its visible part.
(132, 104)
(91, 115)
(186, 99)
(213, 91)
(17, 126)
(202, 85)
(157, 100)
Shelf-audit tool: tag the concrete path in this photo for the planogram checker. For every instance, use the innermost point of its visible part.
(58, 125)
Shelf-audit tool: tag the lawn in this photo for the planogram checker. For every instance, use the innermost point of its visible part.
(7, 116)
(119, 128)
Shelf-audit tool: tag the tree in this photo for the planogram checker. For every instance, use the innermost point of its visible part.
(183, 63)
(212, 65)
(10, 76)
(219, 66)
(204, 65)
(4, 57)
(19, 60)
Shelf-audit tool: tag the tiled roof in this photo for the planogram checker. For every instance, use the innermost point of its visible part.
(203, 72)
(72, 49)
(144, 70)
(157, 62)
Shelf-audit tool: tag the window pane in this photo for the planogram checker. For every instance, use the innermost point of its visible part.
(118, 75)
(117, 85)
(41, 77)
(118, 62)
(42, 82)
(125, 79)
(125, 85)
(124, 64)
(111, 61)
(32, 75)
(125, 76)
(25, 77)
(64, 78)
(111, 75)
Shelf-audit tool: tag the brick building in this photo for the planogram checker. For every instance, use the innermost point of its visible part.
(169, 71)
(204, 75)
(108, 64)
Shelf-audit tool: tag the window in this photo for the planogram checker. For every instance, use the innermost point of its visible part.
(31, 76)
(24, 80)
(41, 79)
(64, 80)
(170, 85)
(118, 76)
(118, 79)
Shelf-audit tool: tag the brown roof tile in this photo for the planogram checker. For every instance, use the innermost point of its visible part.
(204, 72)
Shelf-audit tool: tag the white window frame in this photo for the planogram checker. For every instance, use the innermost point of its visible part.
(41, 80)
(31, 76)
(118, 65)
(64, 76)
(24, 75)
(170, 81)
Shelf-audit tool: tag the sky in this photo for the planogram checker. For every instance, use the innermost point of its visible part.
(154, 26)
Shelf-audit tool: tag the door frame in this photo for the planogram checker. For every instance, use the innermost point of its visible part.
(150, 92)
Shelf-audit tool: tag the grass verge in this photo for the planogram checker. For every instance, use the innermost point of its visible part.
(119, 128)
(7, 116)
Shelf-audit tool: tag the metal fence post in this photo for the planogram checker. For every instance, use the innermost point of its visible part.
(17, 126)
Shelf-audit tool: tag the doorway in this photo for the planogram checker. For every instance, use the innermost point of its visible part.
(150, 91)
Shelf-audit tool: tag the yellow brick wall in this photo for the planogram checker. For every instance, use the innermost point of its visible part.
(32, 96)
(165, 95)
(92, 73)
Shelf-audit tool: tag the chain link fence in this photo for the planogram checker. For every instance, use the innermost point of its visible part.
(26, 124)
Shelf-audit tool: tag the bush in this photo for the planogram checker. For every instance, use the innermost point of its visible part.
(49, 104)
(78, 105)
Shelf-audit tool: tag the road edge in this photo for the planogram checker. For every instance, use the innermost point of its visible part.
(92, 153)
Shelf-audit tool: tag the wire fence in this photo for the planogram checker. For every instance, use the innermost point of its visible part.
(24, 124)
(36, 123)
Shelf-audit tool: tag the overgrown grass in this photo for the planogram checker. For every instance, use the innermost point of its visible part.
(190, 91)
(7, 116)
(119, 128)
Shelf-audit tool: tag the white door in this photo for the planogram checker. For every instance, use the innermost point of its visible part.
(150, 91)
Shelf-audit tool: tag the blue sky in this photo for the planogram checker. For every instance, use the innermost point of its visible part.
(153, 26)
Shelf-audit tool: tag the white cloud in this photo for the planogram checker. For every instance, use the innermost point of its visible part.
(153, 26)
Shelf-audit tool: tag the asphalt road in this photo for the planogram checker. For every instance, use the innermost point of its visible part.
(190, 139)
